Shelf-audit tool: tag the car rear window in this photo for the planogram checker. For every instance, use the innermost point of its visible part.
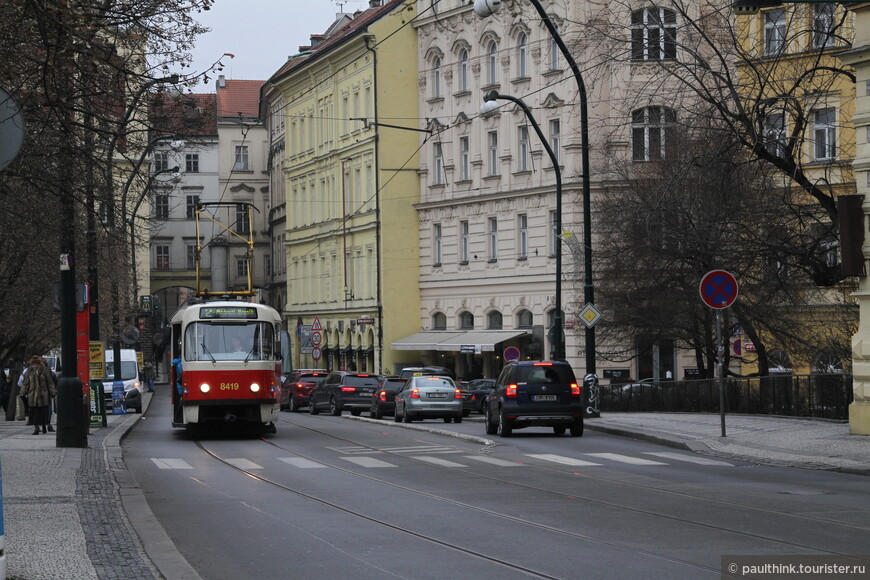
(544, 374)
(361, 381)
(316, 379)
(394, 383)
(435, 382)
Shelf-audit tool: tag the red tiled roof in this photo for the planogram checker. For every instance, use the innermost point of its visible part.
(239, 97)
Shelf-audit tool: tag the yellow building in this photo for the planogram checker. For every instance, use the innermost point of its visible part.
(351, 182)
(799, 98)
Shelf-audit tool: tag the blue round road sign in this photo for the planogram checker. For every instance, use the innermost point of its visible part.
(718, 289)
(511, 353)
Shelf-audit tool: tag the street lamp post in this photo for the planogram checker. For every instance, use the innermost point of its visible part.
(485, 8)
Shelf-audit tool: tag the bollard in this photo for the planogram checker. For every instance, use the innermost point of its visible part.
(118, 398)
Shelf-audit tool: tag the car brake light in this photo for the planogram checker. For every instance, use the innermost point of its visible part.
(457, 394)
(575, 390)
(511, 392)
(382, 395)
(415, 393)
(540, 364)
(348, 389)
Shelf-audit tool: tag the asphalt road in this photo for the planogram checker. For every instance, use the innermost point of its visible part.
(330, 497)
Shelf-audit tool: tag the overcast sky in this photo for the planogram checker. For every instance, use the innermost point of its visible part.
(261, 33)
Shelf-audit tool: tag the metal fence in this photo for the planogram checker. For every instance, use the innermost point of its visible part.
(818, 395)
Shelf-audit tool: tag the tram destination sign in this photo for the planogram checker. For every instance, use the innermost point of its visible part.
(227, 312)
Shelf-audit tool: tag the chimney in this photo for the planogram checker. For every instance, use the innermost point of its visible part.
(221, 82)
(374, 3)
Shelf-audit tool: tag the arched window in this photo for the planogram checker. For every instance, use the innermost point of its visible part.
(436, 77)
(466, 321)
(439, 321)
(492, 62)
(525, 319)
(828, 362)
(494, 320)
(652, 131)
(463, 70)
(555, 53)
(522, 56)
(780, 363)
(551, 315)
(653, 34)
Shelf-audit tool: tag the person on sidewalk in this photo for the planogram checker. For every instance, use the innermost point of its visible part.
(21, 410)
(39, 390)
(6, 384)
(149, 376)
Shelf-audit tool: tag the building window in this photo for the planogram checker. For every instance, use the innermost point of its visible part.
(439, 321)
(241, 162)
(554, 233)
(774, 32)
(825, 131)
(493, 239)
(437, 164)
(556, 138)
(492, 60)
(161, 206)
(242, 219)
(241, 266)
(524, 154)
(653, 34)
(555, 53)
(466, 321)
(774, 134)
(190, 262)
(464, 161)
(524, 319)
(463, 70)
(523, 235)
(823, 25)
(436, 77)
(494, 320)
(161, 161)
(651, 127)
(267, 265)
(161, 257)
(191, 162)
(522, 56)
(463, 242)
(492, 153)
(192, 202)
(436, 245)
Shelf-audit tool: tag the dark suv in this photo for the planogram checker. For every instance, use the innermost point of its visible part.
(342, 390)
(535, 394)
(296, 388)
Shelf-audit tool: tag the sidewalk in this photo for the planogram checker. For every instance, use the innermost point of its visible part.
(771, 440)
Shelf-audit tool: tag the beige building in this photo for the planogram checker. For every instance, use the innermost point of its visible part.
(350, 185)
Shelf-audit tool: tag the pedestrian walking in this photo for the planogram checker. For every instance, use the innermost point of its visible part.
(39, 390)
(149, 376)
(14, 372)
(21, 409)
(6, 386)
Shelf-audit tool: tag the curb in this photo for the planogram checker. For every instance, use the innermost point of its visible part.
(155, 542)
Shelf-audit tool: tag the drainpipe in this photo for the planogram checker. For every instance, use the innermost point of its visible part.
(379, 360)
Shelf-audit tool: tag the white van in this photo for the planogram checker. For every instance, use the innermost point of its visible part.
(129, 375)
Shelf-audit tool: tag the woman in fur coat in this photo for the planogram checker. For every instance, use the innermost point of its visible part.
(39, 389)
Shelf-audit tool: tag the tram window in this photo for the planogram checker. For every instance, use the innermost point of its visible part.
(229, 341)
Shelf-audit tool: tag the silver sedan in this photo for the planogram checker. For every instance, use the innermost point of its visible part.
(429, 398)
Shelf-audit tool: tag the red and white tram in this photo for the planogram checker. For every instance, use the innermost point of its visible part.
(227, 353)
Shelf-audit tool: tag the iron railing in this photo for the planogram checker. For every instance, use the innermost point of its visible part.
(819, 395)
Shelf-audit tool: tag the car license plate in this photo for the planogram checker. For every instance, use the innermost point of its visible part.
(364, 393)
(437, 395)
(543, 397)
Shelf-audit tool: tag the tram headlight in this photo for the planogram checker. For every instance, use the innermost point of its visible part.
(255, 388)
(204, 388)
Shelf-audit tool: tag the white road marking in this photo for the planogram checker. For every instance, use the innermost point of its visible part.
(301, 462)
(563, 460)
(438, 461)
(493, 460)
(689, 458)
(243, 464)
(169, 463)
(368, 462)
(625, 459)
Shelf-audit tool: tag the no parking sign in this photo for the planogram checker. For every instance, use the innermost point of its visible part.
(718, 289)
(511, 353)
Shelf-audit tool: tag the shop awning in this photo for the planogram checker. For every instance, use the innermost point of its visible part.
(471, 341)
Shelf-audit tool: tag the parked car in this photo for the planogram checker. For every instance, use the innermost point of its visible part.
(478, 389)
(296, 388)
(342, 390)
(535, 394)
(384, 397)
(429, 397)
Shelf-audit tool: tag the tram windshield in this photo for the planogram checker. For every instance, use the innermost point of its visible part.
(211, 341)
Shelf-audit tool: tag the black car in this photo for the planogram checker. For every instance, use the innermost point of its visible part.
(341, 390)
(535, 394)
(478, 389)
(384, 397)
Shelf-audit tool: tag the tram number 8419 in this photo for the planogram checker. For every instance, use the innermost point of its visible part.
(229, 386)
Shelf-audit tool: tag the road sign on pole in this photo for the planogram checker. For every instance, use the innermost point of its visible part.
(718, 289)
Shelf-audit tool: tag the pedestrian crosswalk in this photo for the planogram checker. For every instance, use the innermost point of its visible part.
(421, 454)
